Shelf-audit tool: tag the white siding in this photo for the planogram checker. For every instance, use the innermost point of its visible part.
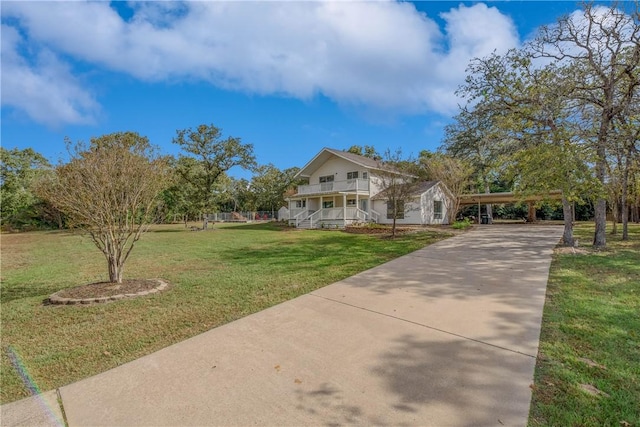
(337, 167)
(427, 198)
(375, 184)
(420, 211)
(411, 214)
(283, 213)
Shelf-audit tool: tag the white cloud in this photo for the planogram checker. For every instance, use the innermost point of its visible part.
(469, 37)
(45, 90)
(376, 55)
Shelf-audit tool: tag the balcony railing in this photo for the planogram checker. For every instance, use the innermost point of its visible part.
(336, 186)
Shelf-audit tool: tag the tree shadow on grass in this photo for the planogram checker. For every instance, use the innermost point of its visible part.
(13, 293)
(320, 252)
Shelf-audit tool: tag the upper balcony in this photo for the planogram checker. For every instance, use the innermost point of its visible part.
(351, 185)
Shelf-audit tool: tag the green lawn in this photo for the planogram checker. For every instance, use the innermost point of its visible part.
(217, 276)
(591, 337)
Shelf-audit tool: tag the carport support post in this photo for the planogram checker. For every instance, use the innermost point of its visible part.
(532, 212)
(479, 212)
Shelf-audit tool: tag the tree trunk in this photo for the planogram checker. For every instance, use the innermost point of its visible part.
(614, 217)
(531, 216)
(115, 270)
(59, 220)
(600, 219)
(600, 211)
(567, 235)
(625, 200)
(393, 227)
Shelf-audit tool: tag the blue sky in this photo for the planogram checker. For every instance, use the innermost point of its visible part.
(287, 77)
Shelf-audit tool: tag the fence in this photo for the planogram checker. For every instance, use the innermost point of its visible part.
(242, 216)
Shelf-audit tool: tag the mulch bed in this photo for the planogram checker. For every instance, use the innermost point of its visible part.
(376, 230)
(108, 289)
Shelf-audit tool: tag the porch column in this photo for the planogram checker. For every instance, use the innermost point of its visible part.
(357, 206)
(369, 201)
(344, 209)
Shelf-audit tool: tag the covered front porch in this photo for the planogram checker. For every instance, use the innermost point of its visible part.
(335, 210)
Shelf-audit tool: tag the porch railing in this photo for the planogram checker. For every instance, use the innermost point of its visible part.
(300, 217)
(316, 216)
(296, 211)
(366, 216)
(336, 186)
(334, 214)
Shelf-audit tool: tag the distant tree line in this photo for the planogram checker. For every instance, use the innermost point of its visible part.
(196, 181)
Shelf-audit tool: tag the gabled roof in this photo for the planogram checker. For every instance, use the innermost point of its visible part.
(326, 153)
(423, 187)
(417, 190)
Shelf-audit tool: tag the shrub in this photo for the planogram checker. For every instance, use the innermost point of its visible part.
(461, 225)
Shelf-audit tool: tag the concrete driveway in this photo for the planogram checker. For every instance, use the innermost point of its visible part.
(445, 336)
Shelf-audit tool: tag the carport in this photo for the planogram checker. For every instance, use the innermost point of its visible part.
(508, 197)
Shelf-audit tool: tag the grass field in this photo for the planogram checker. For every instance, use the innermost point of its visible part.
(588, 369)
(217, 276)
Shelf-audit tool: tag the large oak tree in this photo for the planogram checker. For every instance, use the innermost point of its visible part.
(213, 156)
(601, 45)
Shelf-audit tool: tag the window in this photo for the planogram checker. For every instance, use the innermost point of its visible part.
(351, 202)
(327, 205)
(328, 178)
(301, 203)
(365, 175)
(437, 209)
(399, 209)
(352, 175)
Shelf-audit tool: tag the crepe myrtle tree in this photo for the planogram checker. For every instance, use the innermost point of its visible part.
(397, 180)
(453, 172)
(109, 191)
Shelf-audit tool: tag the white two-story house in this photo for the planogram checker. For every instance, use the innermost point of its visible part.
(346, 188)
